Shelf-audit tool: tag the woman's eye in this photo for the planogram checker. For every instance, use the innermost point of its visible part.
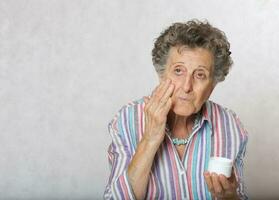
(200, 75)
(178, 71)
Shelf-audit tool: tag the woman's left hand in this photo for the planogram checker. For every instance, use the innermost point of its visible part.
(220, 186)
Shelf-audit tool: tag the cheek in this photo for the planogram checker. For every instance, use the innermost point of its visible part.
(204, 93)
(177, 83)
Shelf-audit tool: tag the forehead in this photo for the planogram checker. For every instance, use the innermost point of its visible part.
(190, 56)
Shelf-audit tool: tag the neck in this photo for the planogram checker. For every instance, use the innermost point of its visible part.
(180, 126)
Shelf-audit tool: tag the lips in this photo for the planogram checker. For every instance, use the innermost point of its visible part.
(185, 98)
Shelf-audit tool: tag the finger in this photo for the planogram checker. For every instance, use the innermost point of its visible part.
(146, 99)
(229, 188)
(158, 87)
(166, 107)
(216, 184)
(165, 103)
(155, 100)
(209, 182)
(146, 102)
(233, 179)
(225, 182)
(167, 94)
(155, 92)
(161, 90)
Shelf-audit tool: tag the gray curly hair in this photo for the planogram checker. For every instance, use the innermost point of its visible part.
(192, 34)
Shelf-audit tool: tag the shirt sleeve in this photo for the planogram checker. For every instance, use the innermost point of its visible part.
(239, 162)
(119, 157)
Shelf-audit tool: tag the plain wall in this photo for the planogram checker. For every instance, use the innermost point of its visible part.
(66, 67)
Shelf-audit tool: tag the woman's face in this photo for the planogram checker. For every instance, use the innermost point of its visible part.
(191, 71)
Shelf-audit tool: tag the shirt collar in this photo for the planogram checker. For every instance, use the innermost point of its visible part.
(203, 116)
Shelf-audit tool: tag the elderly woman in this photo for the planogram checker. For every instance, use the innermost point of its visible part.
(161, 144)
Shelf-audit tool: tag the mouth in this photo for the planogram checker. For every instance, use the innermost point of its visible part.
(185, 98)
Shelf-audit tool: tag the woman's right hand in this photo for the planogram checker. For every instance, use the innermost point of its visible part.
(156, 110)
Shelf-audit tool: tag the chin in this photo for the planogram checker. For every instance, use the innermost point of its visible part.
(184, 110)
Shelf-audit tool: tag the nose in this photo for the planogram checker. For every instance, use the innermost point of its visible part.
(188, 84)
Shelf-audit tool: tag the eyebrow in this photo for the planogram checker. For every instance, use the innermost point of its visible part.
(177, 62)
(202, 66)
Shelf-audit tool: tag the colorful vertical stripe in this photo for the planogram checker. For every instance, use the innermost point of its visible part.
(217, 132)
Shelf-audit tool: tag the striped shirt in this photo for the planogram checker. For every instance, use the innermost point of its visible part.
(217, 131)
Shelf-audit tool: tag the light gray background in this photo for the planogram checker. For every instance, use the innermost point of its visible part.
(66, 67)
